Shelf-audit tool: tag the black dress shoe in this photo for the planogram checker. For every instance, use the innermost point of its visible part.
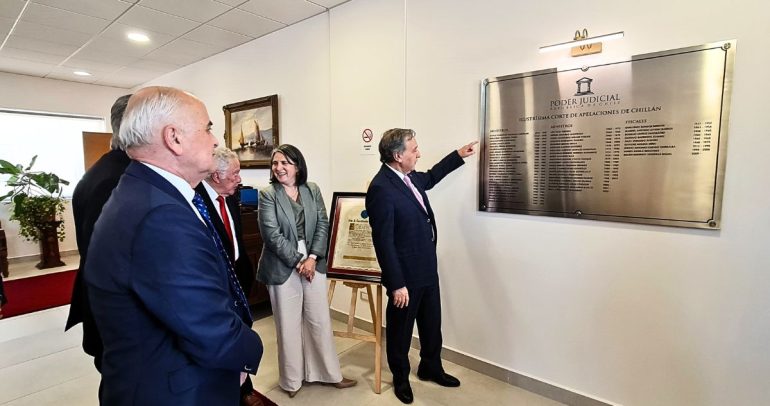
(403, 392)
(442, 378)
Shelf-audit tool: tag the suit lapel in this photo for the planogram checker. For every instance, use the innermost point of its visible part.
(283, 203)
(399, 184)
(216, 219)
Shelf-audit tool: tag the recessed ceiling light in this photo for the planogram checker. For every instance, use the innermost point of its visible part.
(81, 73)
(137, 37)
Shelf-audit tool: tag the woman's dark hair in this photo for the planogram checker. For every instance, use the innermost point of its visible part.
(295, 157)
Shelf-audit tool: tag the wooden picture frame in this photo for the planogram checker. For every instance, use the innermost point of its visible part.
(251, 130)
(351, 253)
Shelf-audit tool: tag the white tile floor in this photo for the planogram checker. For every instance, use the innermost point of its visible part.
(40, 364)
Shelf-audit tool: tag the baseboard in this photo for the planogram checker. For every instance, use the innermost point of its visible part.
(16, 260)
(527, 383)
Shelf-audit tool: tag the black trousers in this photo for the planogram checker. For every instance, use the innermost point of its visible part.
(247, 387)
(425, 308)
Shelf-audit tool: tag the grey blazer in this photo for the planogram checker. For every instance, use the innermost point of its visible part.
(279, 232)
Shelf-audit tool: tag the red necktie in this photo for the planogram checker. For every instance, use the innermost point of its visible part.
(225, 218)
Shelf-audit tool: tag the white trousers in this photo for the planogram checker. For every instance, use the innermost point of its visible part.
(303, 327)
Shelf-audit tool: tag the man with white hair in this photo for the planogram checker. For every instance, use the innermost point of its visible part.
(164, 295)
(218, 191)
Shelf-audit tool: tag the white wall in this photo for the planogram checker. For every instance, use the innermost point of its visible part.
(633, 314)
(29, 93)
(293, 63)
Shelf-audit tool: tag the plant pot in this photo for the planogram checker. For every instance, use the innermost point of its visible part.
(49, 246)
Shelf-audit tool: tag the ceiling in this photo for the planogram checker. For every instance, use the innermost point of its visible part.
(54, 38)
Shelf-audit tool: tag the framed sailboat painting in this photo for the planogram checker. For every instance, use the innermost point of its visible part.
(251, 130)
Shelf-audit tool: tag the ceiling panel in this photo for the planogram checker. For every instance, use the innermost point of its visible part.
(196, 10)
(55, 37)
(115, 39)
(5, 27)
(127, 77)
(106, 9)
(11, 8)
(216, 36)
(285, 11)
(50, 34)
(153, 66)
(190, 48)
(147, 18)
(173, 54)
(66, 73)
(245, 23)
(62, 19)
(111, 56)
(329, 3)
(32, 44)
(30, 55)
(24, 67)
(232, 3)
(92, 66)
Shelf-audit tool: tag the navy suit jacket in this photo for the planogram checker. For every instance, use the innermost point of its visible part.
(403, 233)
(89, 198)
(243, 267)
(161, 298)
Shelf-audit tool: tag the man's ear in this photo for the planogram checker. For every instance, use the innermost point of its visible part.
(397, 157)
(215, 177)
(171, 139)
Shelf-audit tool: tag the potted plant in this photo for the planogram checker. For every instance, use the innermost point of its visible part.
(37, 205)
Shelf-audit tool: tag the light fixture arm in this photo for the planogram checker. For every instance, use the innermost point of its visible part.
(581, 38)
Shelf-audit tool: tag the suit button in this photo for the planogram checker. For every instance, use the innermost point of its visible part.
(428, 220)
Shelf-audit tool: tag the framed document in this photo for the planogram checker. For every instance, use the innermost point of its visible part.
(351, 251)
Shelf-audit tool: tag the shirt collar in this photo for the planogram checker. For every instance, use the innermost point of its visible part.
(213, 195)
(180, 184)
(399, 173)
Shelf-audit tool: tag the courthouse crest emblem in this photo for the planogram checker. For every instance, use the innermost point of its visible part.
(584, 86)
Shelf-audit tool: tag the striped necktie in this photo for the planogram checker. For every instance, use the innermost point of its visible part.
(234, 284)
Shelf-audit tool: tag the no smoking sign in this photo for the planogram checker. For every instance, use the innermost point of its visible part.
(367, 136)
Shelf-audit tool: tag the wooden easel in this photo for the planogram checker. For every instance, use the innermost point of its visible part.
(376, 320)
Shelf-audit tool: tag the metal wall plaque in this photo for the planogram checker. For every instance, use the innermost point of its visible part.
(639, 141)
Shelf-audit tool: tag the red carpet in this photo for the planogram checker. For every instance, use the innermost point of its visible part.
(38, 293)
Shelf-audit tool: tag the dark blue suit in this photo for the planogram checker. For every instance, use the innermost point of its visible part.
(404, 237)
(89, 198)
(162, 301)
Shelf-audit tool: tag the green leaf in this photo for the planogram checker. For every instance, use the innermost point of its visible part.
(32, 162)
(8, 168)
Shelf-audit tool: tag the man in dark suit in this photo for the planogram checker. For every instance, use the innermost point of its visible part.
(217, 191)
(164, 296)
(89, 197)
(404, 235)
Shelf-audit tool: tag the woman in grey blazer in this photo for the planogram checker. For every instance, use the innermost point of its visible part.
(294, 227)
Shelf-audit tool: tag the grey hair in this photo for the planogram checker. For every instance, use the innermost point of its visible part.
(145, 117)
(394, 142)
(223, 156)
(116, 116)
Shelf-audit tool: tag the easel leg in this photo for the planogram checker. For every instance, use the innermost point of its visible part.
(378, 342)
(332, 284)
(352, 312)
